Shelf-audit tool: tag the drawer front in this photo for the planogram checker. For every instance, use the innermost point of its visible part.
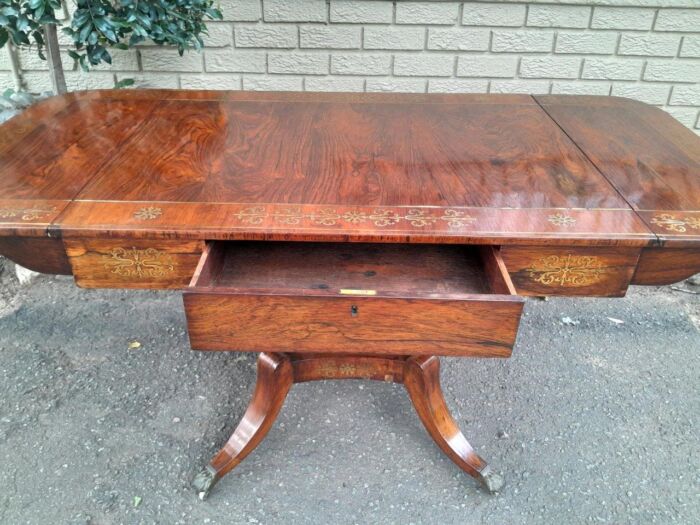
(124, 263)
(485, 326)
(593, 272)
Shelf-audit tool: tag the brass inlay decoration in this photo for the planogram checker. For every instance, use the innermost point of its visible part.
(141, 263)
(331, 216)
(561, 220)
(26, 214)
(673, 224)
(148, 213)
(567, 270)
(347, 370)
(338, 370)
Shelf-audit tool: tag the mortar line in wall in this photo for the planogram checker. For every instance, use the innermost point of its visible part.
(594, 29)
(554, 42)
(653, 22)
(527, 14)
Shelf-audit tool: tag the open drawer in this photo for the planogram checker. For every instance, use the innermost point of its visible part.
(396, 299)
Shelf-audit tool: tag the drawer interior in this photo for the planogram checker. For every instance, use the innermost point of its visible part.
(386, 270)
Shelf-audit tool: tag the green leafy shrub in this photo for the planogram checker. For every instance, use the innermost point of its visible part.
(96, 26)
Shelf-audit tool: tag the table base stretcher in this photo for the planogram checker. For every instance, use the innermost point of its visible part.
(277, 372)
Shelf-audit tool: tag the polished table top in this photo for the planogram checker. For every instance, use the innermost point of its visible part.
(489, 169)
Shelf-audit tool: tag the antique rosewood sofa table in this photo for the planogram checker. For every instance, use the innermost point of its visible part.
(351, 235)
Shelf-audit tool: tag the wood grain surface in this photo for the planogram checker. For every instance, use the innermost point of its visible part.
(41, 254)
(648, 156)
(368, 154)
(659, 266)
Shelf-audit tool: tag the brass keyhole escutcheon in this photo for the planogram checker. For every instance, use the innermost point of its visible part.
(353, 310)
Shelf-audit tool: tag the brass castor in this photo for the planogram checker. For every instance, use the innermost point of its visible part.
(204, 482)
(491, 481)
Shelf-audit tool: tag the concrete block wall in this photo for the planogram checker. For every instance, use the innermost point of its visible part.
(643, 49)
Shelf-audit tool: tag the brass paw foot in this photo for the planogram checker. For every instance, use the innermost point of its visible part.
(492, 481)
(204, 482)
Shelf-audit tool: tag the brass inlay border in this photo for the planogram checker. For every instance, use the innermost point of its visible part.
(672, 223)
(26, 214)
(141, 263)
(567, 270)
(416, 217)
(461, 220)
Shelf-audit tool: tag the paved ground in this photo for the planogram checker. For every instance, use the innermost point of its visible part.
(590, 421)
